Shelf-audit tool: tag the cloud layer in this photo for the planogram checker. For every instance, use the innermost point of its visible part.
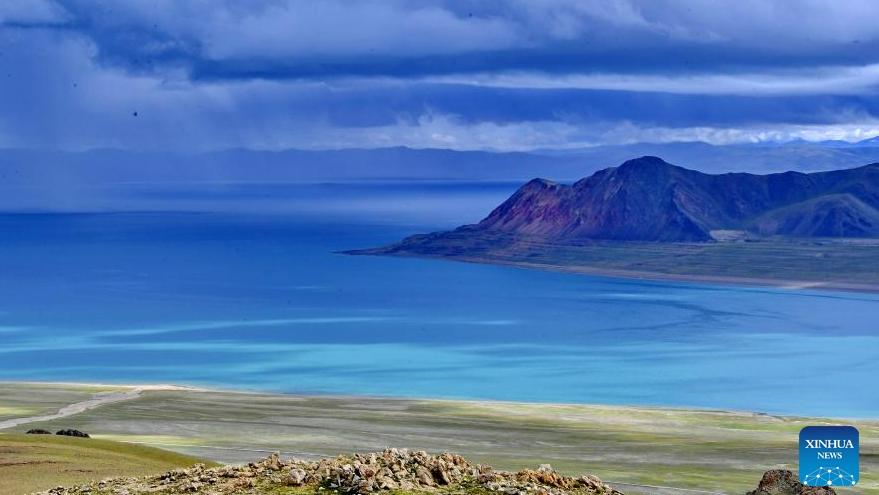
(273, 74)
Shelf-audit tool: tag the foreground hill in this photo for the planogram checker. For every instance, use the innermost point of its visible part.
(648, 218)
(396, 471)
(38, 462)
(393, 470)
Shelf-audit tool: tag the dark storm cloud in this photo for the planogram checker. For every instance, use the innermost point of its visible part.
(297, 39)
(289, 73)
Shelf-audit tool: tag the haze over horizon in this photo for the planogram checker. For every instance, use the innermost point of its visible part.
(463, 75)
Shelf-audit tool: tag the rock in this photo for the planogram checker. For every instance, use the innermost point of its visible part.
(273, 462)
(389, 470)
(192, 486)
(38, 431)
(424, 476)
(592, 482)
(242, 483)
(387, 483)
(545, 468)
(441, 476)
(296, 477)
(70, 432)
(784, 482)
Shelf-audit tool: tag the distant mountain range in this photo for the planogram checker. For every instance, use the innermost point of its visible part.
(648, 199)
(47, 180)
(106, 166)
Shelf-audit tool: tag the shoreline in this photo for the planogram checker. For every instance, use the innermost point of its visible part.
(136, 389)
(649, 276)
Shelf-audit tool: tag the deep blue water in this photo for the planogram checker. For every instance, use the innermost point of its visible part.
(241, 286)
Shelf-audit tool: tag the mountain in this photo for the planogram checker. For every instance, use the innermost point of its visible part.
(54, 169)
(54, 180)
(759, 158)
(648, 199)
(111, 166)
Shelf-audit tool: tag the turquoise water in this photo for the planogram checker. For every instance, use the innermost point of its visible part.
(242, 287)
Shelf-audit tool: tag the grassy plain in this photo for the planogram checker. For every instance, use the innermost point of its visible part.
(704, 450)
(32, 399)
(851, 264)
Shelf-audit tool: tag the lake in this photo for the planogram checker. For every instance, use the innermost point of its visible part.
(242, 286)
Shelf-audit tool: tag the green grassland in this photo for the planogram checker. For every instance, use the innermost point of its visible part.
(839, 263)
(706, 450)
(38, 462)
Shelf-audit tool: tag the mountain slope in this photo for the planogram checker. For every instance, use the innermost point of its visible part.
(832, 215)
(647, 199)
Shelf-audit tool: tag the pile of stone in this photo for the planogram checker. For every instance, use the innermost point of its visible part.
(784, 482)
(389, 470)
(396, 469)
(392, 469)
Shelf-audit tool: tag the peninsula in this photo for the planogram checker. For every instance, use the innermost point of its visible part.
(650, 219)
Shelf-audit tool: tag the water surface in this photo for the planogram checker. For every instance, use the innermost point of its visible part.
(241, 286)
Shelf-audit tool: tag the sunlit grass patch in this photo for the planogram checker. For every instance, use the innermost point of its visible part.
(18, 411)
(30, 463)
(159, 440)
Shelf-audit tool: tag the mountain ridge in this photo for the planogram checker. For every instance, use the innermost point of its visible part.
(649, 199)
(649, 219)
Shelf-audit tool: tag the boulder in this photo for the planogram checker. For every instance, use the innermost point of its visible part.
(38, 431)
(784, 482)
(273, 462)
(70, 432)
(296, 477)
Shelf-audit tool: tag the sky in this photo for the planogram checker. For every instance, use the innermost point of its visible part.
(466, 74)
